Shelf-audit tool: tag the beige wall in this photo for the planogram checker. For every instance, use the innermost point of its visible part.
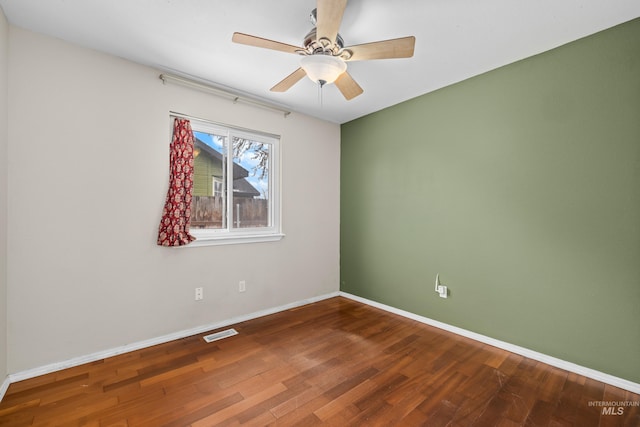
(4, 45)
(88, 172)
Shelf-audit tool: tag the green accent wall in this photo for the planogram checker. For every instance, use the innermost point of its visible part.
(521, 187)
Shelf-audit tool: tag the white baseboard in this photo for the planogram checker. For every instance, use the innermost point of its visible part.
(3, 387)
(562, 364)
(76, 361)
(531, 354)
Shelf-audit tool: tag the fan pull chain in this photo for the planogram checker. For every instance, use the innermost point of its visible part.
(321, 84)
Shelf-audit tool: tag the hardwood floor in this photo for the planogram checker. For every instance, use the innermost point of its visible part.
(336, 362)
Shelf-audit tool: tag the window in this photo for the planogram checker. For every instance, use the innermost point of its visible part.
(235, 185)
(218, 185)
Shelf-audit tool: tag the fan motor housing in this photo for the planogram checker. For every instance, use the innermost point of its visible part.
(313, 45)
(310, 43)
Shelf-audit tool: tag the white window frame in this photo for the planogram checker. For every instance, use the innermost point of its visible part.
(229, 235)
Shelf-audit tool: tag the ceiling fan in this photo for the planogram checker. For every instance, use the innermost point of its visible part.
(324, 56)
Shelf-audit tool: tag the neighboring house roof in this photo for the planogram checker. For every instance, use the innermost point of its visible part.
(241, 187)
(238, 171)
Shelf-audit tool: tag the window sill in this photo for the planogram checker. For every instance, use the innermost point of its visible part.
(232, 240)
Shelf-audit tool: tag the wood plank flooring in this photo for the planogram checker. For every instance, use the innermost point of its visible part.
(336, 363)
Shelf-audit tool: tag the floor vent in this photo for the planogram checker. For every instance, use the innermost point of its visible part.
(220, 335)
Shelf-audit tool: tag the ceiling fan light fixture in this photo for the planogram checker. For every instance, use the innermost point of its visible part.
(323, 69)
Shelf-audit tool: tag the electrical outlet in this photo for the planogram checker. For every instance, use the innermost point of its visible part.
(199, 294)
(242, 286)
(442, 291)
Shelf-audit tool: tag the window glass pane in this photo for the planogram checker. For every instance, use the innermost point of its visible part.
(209, 181)
(251, 193)
(235, 187)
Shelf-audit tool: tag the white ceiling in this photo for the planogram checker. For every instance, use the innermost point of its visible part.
(455, 40)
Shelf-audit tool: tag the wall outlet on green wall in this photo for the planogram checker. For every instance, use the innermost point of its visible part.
(440, 288)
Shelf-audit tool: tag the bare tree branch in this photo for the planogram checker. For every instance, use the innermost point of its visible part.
(260, 152)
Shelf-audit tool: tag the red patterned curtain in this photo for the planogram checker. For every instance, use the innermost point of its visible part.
(176, 216)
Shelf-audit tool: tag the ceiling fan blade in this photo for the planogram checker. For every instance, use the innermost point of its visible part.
(264, 43)
(394, 48)
(289, 81)
(329, 16)
(347, 86)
